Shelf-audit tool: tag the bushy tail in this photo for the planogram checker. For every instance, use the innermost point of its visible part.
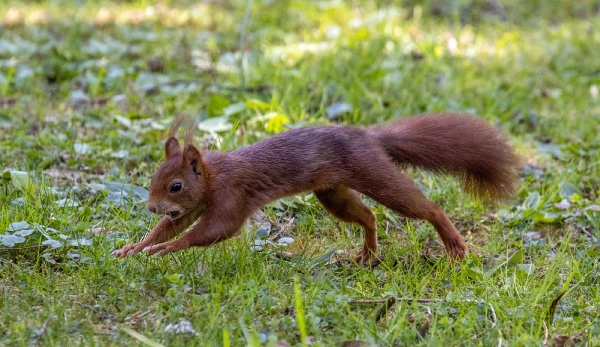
(461, 145)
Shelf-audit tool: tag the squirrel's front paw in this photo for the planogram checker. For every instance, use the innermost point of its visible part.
(162, 248)
(456, 248)
(131, 249)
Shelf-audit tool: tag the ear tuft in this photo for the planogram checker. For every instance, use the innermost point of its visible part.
(172, 147)
(192, 157)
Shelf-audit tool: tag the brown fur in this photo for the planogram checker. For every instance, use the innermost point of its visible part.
(337, 163)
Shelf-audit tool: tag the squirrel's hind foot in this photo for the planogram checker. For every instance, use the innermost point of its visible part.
(368, 259)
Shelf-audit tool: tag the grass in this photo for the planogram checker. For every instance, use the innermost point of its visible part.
(87, 93)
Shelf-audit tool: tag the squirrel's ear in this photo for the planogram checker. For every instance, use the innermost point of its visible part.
(192, 157)
(172, 147)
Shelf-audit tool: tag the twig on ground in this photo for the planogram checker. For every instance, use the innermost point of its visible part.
(100, 314)
(41, 333)
(381, 301)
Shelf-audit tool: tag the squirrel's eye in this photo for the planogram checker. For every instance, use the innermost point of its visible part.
(175, 187)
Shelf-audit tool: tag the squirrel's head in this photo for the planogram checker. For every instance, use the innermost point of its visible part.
(179, 184)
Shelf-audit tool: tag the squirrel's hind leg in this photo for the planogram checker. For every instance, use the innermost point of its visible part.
(392, 189)
(346, 205)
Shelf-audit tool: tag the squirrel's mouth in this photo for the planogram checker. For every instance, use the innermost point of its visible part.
(173, 214)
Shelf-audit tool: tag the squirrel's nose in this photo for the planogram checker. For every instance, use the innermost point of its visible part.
(152, 208)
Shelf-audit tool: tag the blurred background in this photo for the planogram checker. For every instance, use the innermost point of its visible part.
(92, 86)
(88, 90)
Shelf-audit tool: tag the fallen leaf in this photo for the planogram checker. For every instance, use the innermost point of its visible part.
(52, 243)
(593, 208)
(568, 190)
(338, 109)
(531, 235)
(527, 269)
(19, 179)
(564, 204)
(24, 232)
(9, 240)
(67, 203)
(215, 124)
(284, 241)
(125, 189)
(517, 257)
(182, 327)
(233, 109)
(18, 226)
(101, 231)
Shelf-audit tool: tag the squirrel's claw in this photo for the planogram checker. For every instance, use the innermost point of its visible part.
(367, 259)
(130, 249)
(151, 249)
(456, 248)
(162, 248)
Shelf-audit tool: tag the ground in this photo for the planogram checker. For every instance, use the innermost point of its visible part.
(87, 93)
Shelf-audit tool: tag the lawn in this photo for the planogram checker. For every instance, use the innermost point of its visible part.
(88, 90)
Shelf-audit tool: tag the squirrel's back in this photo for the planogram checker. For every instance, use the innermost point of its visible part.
(307, 158)
(315, 156)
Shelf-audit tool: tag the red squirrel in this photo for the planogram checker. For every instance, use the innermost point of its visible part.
(337, 163)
